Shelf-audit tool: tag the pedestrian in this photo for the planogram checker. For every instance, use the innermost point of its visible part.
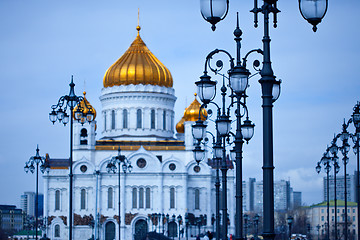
(206, 237)
(197, 237)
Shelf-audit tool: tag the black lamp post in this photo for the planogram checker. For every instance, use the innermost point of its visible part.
(29, 165)
(356, 138)
(167, 221)
(124, 165)
(325, 160)
(333, 150)
(290, 220)
(82, 114)
(173, 217)
(213, 12)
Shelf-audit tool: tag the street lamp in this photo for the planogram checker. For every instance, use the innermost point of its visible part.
(123, 164)
(44, 166)
(269, 85)
(246, 222)
(238, 76)
(290, 220)
(83, 113)
(325, 160)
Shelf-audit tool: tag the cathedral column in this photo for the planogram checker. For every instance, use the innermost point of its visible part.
(122, 203)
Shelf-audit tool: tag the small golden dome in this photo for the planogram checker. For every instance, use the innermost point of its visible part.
(85, 108)
(191, 113)
(138, 66)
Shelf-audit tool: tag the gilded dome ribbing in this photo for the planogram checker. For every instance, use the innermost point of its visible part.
(191, 113)
(138, 66)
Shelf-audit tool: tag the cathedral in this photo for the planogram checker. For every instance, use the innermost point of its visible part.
(166, 191)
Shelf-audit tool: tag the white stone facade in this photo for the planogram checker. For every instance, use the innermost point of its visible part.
(165, 179)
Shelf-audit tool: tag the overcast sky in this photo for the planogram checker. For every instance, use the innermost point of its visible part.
(43, 43)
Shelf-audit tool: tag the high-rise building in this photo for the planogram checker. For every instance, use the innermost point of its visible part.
(27, 203)
(296, 199)
(340, 187)
(283, 197)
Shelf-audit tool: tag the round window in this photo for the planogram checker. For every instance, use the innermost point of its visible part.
(197, 169)
(141, 163)
(83, 168)
(172, 166)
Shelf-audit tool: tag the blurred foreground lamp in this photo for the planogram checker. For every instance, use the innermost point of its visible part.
(214, 11)
(313, 11)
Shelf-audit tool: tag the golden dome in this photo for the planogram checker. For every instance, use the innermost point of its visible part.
(191, 113)
(138, 66)
(85, 107)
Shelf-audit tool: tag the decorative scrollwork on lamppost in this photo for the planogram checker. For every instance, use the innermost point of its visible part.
(33, 165)
(123, 164)
(83, 113)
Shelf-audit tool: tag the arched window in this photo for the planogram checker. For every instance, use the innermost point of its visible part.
(125, 118)
(134, 198)
(82, 198)
(113, 119)
(152, 117)
(83, 136)
(141, 198)
(138, 119)
(172, 197)
(197, 199)
(164, 120)
(110, 197)
(57, 230)
(104, 121)
(57, 200)
(147, 193)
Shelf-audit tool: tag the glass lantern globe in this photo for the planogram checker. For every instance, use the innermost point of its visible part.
(318, 168)
(233, 154)
(206, 88)
(218, 151)
(213, 11)
(199, 130)
(356, 116)
(276, 90)
(247, 130)
(333, 149)
(223, 125)
(313, 11)
(239, 77)
(53, 116)
(199, 154)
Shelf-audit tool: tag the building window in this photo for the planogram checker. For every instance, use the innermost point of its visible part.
(147, 193)
(152, 117)
(322, 218)
(83, 136)
(110, 197)
(332, 211)
(138, 119)
(332, 218)
(338, 210)
(164, 120)
(125, 118)
(134, 198)
(113, 119)
(172, 197)
(82, 198)
(322, 210)
(57, 200)
(104, 121)
(197, 199)
(141, 198)
(57, 231)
